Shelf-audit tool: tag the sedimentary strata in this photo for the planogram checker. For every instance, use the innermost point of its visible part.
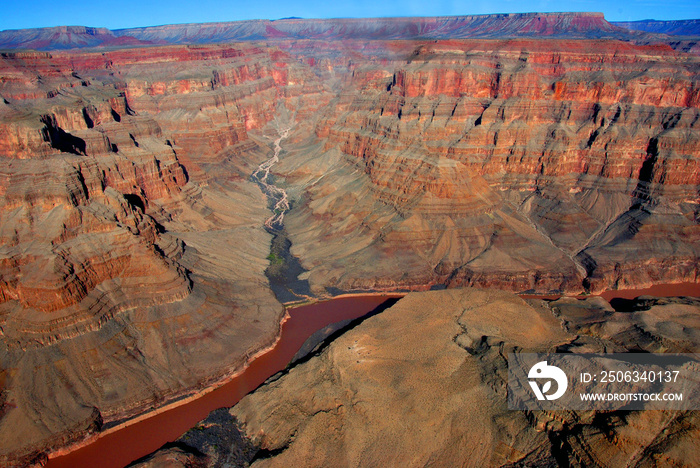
(569, 25)
(133, 249)
(132, 240)
(543, 165)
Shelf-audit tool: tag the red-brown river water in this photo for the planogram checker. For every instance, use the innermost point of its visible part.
(120, 447)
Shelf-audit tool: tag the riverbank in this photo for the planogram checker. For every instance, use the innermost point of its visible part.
(126, 442)
(103, 444)
(659, 290)
(299, 322)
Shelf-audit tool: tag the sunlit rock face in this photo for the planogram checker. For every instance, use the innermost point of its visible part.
(132, 246)
(543, 165)
(132, 250)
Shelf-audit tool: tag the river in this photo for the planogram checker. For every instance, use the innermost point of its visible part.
(120, 447)
(277, 196)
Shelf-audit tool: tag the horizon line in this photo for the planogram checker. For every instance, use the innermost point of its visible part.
(293, 18)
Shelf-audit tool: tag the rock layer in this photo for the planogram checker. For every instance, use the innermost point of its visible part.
(133, 250)
(690, 27)
(528, 165)
(569, 25)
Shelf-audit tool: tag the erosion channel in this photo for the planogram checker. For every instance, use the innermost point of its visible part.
(121, 445)
(284, 268)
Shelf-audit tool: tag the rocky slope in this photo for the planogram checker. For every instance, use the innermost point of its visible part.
(133, 253)
(680, 34)
(527, 165)
(63, 37)
(132, 250)
(690, 27)
(578, 25)
(377, 395)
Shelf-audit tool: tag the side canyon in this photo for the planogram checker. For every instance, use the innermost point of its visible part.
(136, 247)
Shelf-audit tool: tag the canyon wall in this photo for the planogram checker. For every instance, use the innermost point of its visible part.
(689, 27)
(133, 253)
(132, 250)
(527, 165)
(562, 25)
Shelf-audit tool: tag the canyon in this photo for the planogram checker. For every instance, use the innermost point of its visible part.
(542, 154)
(377, 394)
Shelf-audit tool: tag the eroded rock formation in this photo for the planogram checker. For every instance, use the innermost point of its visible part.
(133, 252)
(539, 165)
(378, 395)
(569, 25)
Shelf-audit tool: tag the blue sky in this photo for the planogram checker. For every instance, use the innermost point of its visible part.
(16, 14)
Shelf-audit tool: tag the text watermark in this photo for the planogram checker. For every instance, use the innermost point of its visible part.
(628, 381)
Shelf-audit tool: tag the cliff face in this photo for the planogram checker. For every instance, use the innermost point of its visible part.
(681, 34)
(689, 27)
(132, 251)
(578, 25)
(537, 165)
(63, 37)
(564, 25)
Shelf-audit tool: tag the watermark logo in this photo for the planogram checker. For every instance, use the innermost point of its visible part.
(603, 381)
(551, 373)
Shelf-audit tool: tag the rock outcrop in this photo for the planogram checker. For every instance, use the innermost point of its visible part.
(690, 27)
(563, 25)
(379, 396)
(132, 247)
(63, 37)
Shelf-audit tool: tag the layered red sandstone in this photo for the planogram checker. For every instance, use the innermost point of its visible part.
(132, 250)
(544, 165)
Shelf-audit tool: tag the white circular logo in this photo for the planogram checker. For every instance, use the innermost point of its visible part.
(543, 371)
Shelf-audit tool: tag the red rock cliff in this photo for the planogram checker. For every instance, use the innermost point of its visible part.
(124, 178)
(525, 164)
